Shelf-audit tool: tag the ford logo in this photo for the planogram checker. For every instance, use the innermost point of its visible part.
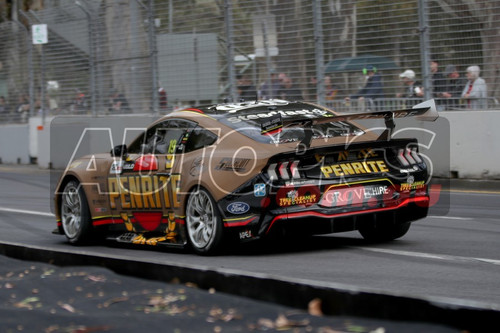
(238, 208)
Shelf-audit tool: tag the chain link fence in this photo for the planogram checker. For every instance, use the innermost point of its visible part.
(145, 56)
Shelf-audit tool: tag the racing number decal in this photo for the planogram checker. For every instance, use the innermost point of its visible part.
(139, 192)
(171, 154)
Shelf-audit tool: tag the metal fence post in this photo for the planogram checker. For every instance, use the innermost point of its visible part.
(42, 74)
(30, 65)
(423, 20)
(91, 58)
(319, 52)
(153, 54)
(228, 16)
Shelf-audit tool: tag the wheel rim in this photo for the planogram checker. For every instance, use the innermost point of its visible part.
(71, 208)
(201, 219)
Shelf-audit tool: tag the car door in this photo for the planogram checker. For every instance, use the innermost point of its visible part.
(144, 189)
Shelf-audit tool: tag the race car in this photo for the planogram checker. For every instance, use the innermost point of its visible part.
(201, 177)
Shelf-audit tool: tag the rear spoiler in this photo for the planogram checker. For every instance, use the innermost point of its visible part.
(425, 111)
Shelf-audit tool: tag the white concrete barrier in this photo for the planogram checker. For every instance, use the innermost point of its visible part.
(14, 144)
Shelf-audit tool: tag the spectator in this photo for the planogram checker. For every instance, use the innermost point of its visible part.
(454, 87)
(288, 92)
(331, 90)
(79, 104)
(475, 90)
(246, 90)
(22, 108)
(373, 87)
(438, 84)
(412, 88)
(269, 89)
(118, 103)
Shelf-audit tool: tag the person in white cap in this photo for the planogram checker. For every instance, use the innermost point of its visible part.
(412, 88)
(475, 90)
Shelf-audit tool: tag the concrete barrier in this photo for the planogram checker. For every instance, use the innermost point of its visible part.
(465, 143)
(14, 144)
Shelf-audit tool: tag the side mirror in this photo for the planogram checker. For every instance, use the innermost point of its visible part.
(119, 151)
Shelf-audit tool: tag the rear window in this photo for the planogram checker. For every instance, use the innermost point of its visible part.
(249, 124)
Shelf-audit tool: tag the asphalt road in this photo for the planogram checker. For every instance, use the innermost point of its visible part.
(456, 255)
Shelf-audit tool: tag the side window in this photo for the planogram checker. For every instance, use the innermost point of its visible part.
(163, 138)
(200, 138)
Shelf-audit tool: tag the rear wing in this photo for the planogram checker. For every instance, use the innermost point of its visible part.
(425, 111)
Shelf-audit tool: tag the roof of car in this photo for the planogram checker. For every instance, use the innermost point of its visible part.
(261, 109)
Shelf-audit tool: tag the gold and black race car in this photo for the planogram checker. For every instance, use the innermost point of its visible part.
(200, 176)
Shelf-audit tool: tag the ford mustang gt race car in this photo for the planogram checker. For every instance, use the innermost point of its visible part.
(244, 171)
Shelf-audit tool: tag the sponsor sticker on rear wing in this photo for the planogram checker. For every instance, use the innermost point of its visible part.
(425, 111)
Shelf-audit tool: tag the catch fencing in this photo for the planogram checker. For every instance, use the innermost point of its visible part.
(145, 56)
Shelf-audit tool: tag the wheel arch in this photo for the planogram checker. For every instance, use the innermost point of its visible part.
(59, 190)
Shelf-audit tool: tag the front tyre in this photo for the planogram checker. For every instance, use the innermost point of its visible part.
(203, 223)
(384, 232)
(75, 214)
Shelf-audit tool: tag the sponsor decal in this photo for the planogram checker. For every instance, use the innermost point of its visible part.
(139, 192)
(355, 196)
(246, 234)
(343, 156)
(413, 185)
(238, 208)
(304, 195)
(128, 166)
(232, 164)
(367, 153)
(354, 168)
(413, 169)
(259, 190)
(116, 167)
(285, 114)
(272, 126)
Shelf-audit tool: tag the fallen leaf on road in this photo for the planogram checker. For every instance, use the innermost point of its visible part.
(315, 307)
(27, 303)
(67, 307)
(114, 300)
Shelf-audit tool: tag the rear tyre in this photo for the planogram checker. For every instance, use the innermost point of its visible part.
(75, 214)
(203, 223)
(384, 232)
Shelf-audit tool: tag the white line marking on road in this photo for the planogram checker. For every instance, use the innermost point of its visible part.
(451, 217)
(24, 211)
(429, 255)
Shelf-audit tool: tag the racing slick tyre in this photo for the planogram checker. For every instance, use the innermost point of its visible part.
(75, 214)
(203, 223)
(384, 232)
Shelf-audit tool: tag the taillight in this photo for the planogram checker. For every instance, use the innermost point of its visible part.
(294, 169)
(408, 157)
(271, 171)
(284, 170)
(282, 167)
(415, 155)
(402, 159)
